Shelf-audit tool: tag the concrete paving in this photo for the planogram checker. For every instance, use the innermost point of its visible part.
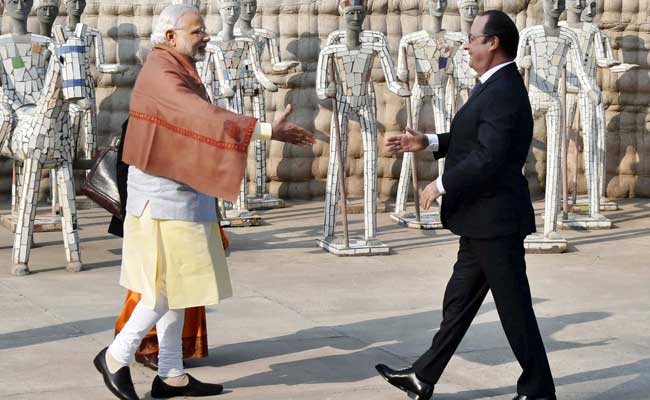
(305, 324)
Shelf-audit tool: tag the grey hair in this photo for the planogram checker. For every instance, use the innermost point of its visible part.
(168, 20)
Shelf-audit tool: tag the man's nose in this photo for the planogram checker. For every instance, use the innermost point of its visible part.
(466, 45)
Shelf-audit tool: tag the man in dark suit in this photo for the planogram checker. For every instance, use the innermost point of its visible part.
(486, 202)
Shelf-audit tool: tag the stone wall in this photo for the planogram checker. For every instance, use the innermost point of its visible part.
(303, 26)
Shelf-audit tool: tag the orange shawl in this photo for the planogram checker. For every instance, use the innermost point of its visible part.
(175, 132)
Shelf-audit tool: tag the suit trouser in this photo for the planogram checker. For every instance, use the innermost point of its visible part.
(497, 265)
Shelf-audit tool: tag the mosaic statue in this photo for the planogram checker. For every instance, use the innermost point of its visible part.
(593, 54)
(435, 54)
(92, 40)
(544, 50)
(233, 61)
(604, 59)
(464, 76)
(39, 134)
(351, 64)
(25, 56)
(264, 39)
(47, 11)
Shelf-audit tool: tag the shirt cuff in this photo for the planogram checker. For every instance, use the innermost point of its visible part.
(441, 189)
(262, 131)
(434, 144)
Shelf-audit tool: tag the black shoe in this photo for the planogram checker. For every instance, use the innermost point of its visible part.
(119, 383)
(524, 397)
(406, 380)
(161, 390)
(148, 360)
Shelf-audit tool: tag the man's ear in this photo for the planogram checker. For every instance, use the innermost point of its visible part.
(495, 43)
(170, 35)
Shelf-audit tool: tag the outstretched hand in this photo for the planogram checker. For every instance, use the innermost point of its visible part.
(410, 142)
(288, 132)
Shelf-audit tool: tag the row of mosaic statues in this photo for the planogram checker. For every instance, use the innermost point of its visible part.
(48, 108)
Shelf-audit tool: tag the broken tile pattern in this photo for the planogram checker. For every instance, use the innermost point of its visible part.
(549, 55)
(41, 136)
(255, 91)
(225, 67)
(435, 57)
(352, 70)
(577, 96)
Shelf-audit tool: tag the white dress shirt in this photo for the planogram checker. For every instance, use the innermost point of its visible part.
(432, 138)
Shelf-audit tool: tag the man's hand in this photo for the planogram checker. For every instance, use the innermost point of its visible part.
(429, 195)
(411, 142)
(285, 131)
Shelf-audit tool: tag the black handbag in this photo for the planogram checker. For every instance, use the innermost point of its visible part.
(101, 182)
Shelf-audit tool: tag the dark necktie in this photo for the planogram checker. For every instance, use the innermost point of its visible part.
(476, 88)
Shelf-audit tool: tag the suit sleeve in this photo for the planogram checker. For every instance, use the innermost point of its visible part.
(443, 146)
(496, 128)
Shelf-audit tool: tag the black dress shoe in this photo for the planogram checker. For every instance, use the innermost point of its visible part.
(161, 390)
(119, 383)
(148, 360)
(406, 380)
(524, 397)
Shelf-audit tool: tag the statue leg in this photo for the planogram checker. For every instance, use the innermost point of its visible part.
(570, 120)
(90, 130)
(259, 112)
(441, 119)
(332, 187)
(237, 106)
(26, 213)
(553, 146)
(601, 129)
(590, 154)
(69, 215)
(368, 122)
(405, 173)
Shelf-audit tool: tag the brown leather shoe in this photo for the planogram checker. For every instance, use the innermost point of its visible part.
(148, 360)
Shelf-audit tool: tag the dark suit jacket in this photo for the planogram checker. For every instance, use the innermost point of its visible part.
(486, 193)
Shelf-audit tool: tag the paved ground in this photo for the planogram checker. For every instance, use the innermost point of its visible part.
(307, 325)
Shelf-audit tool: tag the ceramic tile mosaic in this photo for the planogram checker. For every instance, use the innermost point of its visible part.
(351, 78)
(435, 58)
(549, 55)
(41, 135)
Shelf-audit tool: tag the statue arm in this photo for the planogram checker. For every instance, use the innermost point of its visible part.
(523, 59)
(389, 71)
(257, 69)
(98, 44)
(273, 45)
(576, 57)
(324, 87)
(604, 52)
(402, 59)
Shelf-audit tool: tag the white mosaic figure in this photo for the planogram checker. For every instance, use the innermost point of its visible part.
(593, 53)
(41, 138)
(604, 58)
(352, 64)
(550, 46)
(464, 76)
(434, 53)
(24, 64)
(226, 70)
(264, 39)
(87, 120)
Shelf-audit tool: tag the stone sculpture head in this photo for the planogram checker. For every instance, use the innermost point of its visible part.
(590, 11)
(554, 8)
(576, 6)
(248, 10)
(230, 10)
(182, 28)
(47, 11)
(437, 8)
(468, 10)
(75, 7)
(354, 12)
(18, 10)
